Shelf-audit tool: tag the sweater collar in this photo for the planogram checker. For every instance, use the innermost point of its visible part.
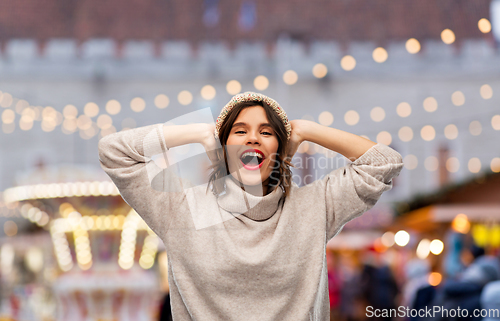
(258, 208)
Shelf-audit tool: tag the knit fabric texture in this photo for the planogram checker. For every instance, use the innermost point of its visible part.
(251, 96)
(238, 256)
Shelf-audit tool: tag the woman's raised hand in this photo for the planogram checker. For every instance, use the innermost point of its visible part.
(202, 133)
(210, 143)
(296, 138)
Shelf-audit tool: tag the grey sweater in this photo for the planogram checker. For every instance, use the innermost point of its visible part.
(239, 256)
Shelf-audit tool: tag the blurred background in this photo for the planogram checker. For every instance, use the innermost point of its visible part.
(421, 76)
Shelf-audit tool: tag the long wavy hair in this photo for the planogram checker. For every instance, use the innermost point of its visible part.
(281, 175)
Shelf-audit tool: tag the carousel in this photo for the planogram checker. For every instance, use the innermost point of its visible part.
(98, 265)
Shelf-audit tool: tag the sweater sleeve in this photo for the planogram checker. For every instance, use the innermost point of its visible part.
(131, 158)
(355, 188)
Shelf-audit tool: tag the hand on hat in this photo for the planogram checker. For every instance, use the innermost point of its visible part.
(210, 144)
(296, 137)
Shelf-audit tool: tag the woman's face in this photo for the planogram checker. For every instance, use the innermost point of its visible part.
(252, 146)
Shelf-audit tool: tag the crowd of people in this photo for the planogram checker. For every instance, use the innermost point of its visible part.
(360, 283)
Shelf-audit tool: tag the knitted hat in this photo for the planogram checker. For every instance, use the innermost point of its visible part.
(251, 96)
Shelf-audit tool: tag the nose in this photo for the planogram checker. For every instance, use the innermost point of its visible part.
(253, 138)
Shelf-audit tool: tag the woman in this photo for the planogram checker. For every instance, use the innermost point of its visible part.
(252, 248)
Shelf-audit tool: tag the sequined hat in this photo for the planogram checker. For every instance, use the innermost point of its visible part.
(251, 96)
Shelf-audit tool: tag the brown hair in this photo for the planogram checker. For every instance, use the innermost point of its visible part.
(281, 176)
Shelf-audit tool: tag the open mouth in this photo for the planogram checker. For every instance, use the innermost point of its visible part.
(252, 159)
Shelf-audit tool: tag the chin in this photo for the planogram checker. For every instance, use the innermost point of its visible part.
(248, 179)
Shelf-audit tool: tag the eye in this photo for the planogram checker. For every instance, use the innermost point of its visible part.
(267, 133)
(239, 132)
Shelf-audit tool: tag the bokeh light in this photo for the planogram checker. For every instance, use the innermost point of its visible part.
(137, 104)
(451, 131)
(474, 165)
(8, 116)
(428, 133)
(113, 107)
(423, 249)
(348, 63)
(452, 164)
(104, 121)
(377, 114)
(405, 133)
(91, 109)
(185, 97)
(10, 228)
(458, 98)
(495, 122)
(435, 278)
(412, 45)
(70, 112)
(431, 163)
(495, 165)
(387, 239)
(403, 109)
(461, 223)
(475, 128)
(6, 100)
(208, 92)
(436, 247)
(410, 162)
(448, 36)
(290, 77)
(484, 25)
(325, 118)
(319, 70)
(161, 101)
(380, 55)
(430, 104)
(402, 238)
(233, 87)
(351, 117)
(384, 137)
(261, 82)
(486, 91)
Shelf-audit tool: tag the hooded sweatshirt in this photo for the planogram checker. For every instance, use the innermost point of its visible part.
(237, 256)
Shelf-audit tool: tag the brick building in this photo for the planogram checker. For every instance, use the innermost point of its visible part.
(195, 21)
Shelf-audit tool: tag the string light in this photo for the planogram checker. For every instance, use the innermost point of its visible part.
(430, 104)
(113, 107)
(448, 36)
(128, 241)
(137, 104)
(484, 25)
(61, 246)
(377, 114)
(91, 109)
(233, 87)
(348, 63)
(458, 98)
(319, 70)
(162, 101)
(208, 92)
(486, 91)
(55, 190)
(261, 82)
(70, 112)
(185, 97)
(403, 109)
(351, 117)
(149, 251)
(412, 45)
(380, 55)
(290, 77)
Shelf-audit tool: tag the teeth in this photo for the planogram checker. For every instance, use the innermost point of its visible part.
(252, 154)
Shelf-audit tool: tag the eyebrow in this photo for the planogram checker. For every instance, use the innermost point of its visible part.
(245, 124)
